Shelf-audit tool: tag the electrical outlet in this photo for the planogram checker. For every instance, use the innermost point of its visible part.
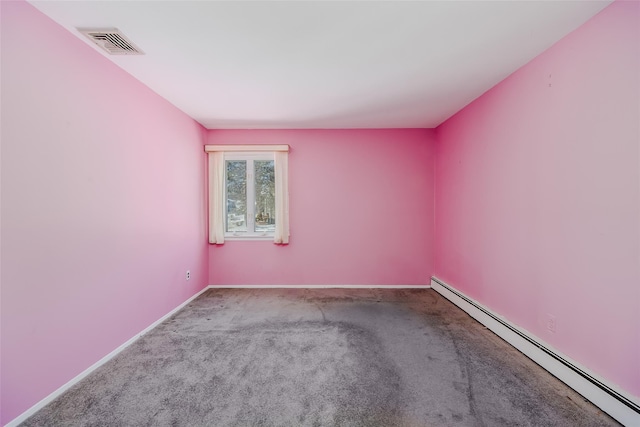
(188, 274)
(551, 323)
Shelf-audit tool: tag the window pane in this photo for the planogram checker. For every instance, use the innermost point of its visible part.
(265, 188)
(236, 195)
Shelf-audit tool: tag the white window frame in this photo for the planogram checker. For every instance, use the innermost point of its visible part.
(249, 157)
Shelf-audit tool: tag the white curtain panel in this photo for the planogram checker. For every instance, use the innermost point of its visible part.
(216, 197)
(281, 165)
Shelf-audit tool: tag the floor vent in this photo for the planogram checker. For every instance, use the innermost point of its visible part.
(111, 40)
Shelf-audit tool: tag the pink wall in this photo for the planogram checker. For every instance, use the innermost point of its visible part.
(103, 207)
(538, 196)
(361, 211)
(103, 204)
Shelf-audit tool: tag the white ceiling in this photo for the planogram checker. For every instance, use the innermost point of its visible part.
(322, 64)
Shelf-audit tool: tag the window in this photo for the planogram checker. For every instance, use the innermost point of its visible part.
(250, 195)
(248, 192)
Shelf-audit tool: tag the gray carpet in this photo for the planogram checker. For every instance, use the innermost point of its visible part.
(320, 357)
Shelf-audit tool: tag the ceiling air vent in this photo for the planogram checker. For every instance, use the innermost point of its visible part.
(112, 41)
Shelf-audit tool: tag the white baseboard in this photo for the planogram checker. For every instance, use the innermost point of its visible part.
(611, 399)
(428, 286)
(44, 402)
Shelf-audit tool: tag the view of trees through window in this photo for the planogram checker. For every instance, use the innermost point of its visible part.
(236, 182)
(265, 194)
(250, 188)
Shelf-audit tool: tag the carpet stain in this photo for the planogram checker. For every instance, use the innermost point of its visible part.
(275, 374)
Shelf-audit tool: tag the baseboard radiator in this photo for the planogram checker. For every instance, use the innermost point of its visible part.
(614, 402)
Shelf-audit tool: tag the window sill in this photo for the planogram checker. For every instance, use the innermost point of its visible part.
(248, 238)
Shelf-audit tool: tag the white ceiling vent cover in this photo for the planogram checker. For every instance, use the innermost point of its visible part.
(112, 41)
